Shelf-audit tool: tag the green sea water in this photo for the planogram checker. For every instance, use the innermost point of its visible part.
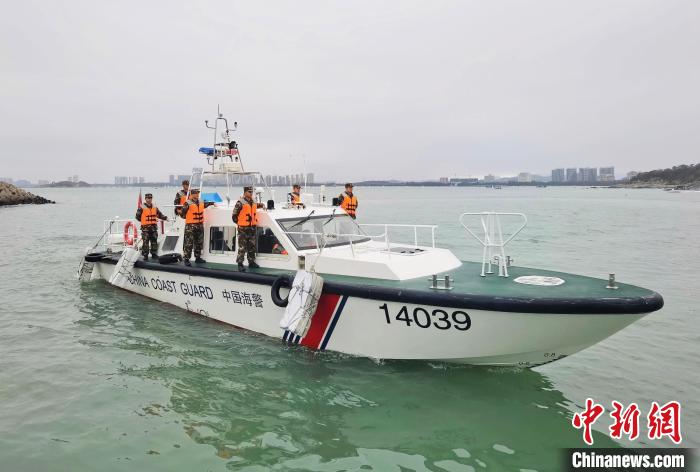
(96, 378)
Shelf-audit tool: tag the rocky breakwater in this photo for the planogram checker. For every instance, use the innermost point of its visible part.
(11, 195)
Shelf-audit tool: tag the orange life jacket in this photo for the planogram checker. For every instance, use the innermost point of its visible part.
(278, 249)
(183, 199)
(295, 198)
(349, 204)
(149, 216)
(195, 213)
(248, 215)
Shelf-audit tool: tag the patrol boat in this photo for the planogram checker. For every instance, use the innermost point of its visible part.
(328, 283)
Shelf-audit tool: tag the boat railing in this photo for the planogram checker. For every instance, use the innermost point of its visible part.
(386, 235)
(115, 232)
(323, 239)
(492, 239)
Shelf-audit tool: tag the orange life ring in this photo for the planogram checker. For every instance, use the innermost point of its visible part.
(128, 237)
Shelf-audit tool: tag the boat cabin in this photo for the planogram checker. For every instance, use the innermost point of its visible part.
(318, 235)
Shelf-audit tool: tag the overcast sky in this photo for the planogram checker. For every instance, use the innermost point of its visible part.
(362, 89)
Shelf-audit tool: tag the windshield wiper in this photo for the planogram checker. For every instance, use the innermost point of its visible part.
(329, 219)
(302, 221)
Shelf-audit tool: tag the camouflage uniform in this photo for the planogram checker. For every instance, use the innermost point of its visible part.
(246, 235)
(246, 244)
(194, 239)
(149, 234)
(194, 233)
(178, 197)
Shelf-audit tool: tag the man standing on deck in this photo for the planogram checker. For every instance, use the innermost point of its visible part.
(193, 213)
(348, 201)
(245, 216)
(181, 197)
(149, 215)
(294, 197)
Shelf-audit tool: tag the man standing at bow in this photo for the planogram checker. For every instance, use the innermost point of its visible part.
(245, 216)
(348, 201)
(148, 215)
(193, 213)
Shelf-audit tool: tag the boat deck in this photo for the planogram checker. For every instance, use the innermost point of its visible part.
(466, 280)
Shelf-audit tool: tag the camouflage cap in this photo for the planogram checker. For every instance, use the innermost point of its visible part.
(185, 182)
(248, 188)
(194, 190)
(148, 195)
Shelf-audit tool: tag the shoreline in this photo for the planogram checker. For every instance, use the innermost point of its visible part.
(12, 195)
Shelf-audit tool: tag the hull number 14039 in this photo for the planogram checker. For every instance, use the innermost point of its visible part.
(424, 318)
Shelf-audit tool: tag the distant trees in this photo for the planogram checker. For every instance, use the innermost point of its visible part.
(676, 175)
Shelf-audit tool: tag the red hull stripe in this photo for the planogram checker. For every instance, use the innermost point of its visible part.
(319, 323)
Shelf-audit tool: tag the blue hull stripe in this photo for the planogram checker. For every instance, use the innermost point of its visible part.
(327, 338)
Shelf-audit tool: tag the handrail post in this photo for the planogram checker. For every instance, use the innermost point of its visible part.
(415, 236)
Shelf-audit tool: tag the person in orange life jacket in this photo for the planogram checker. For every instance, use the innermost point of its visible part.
(294, 197)
(149, 215)
(181, 197)
(348, 201)
(193, 213)
(245, 216)
(277, 248)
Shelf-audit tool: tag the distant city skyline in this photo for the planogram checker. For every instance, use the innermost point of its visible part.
(570, 175)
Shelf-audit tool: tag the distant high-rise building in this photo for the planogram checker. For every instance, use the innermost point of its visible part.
(524, 177)
(444, 180)
(23, 183)
(587, 174)
(310, 178)
(121, 180)
(76, 179)
(558, 175)
(489, 178)
(571, 175)
(607, 174)
(43, 182)
(631, 174)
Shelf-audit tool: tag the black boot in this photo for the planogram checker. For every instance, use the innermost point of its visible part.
(187, 262)
(241, 267)
(199, 260)
(253, 265)
(145, 257)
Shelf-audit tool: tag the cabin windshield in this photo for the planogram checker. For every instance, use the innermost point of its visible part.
(336, 230)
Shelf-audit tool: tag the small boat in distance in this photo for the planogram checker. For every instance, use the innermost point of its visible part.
(363, 289)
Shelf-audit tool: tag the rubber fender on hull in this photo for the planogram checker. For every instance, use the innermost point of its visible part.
(279, 282)
(93, 256)
(170, 258)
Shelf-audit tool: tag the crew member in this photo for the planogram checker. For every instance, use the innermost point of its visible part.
(193, 213)
(149, 215)
(294, 197)
(245, 216)
(181, 197)
(348, 201)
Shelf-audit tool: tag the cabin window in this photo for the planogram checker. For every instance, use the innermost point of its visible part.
(222, 239)
(268, 242)
(330, 230)
(169, 243)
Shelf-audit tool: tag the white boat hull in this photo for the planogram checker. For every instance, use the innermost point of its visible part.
(384, 329)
